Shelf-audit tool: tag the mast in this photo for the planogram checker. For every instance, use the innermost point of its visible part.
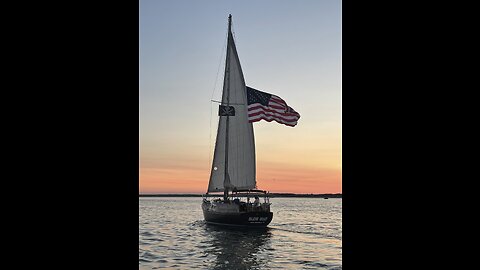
(226, 180)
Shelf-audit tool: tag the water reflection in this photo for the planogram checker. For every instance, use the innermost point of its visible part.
(239, 248)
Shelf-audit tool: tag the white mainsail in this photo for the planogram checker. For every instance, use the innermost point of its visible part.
(241, 145)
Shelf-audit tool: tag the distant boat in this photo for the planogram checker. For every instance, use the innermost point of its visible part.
(233, 168)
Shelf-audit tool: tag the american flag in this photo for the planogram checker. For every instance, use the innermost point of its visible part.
(268, 107)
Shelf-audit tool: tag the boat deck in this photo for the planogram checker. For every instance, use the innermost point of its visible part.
(236, 206)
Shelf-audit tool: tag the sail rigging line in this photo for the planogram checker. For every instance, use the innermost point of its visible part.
(210, 140)
(226, 103)
(233, 34)
(210, 160)
(219, 64)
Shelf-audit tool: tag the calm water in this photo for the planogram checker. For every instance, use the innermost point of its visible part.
(305, 233)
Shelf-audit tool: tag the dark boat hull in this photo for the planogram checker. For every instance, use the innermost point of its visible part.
(251, 219)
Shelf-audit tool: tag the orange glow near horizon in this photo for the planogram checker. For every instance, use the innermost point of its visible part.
(296, 179)
(270, 179)
(309, 163)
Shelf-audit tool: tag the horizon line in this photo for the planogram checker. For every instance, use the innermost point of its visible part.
(268, 192)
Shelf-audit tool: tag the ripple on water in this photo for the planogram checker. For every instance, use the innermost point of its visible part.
(311, 263)
(173, 235)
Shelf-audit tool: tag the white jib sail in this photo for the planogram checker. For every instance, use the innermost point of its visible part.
(241, 146)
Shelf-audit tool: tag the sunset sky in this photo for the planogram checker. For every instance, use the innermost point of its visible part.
(288, 48)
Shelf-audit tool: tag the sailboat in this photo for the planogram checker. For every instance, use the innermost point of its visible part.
(233, 172)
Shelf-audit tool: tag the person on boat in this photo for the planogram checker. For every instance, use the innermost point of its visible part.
(257, 201)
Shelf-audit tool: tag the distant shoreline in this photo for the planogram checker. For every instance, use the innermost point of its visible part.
(272, 195)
